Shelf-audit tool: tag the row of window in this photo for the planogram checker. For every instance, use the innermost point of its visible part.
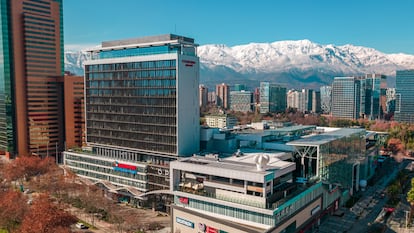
(145, 138)
(108, 170)
(136, 184)
(159, 120)
(140, 74)
(140, 110)
(143, 83)
(135, 128)
(131, 66)
(132, 101)
(130, 143)
(133, 92)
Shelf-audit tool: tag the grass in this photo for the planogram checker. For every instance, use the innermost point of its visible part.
(3, 231)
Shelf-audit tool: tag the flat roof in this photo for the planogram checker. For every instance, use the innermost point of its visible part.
(146, 39)
(319, 139)
(237, 165)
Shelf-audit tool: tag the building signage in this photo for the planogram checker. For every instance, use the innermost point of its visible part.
(189, 63)
(125, 168)
(211, 230)
(183, 200)
(184, 222)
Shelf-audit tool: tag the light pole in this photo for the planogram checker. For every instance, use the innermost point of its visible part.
(406, 218)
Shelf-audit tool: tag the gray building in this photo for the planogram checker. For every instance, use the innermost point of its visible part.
(346, 97)
(241, 101)
(404, 86)
(326, 99)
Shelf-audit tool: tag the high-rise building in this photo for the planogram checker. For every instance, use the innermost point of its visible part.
(346, 97)
(31, 51)
(211, 97)
(272, 98)
(142, 111)
(223, 95)
(404, 86)
(203, 95)
(241, 101)
(326, 99)
(390, 100)
(74, 110)
(316, 101)
(371, 86)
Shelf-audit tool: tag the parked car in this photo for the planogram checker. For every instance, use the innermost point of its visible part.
(81, 225)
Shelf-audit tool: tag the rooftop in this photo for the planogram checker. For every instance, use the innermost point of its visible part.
(320, 139)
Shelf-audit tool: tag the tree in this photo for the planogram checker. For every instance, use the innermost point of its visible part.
(45, 217)
(13, 207)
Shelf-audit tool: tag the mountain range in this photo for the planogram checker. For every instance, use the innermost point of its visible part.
(295, 64)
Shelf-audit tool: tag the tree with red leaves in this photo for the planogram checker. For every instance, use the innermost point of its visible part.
(12, 209)
(46, 217)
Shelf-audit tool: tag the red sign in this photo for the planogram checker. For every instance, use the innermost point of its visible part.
(183, 200)
(211, 230)
(189, 63)
(126, 166)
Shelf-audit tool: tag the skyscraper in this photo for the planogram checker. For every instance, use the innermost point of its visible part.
(404, 86)
(223, 95)
(203, 95)
(142, 111)
(31, 66)
(74, 110)
(272, 98)
(371, 100)
(345, 97)
(326, 98)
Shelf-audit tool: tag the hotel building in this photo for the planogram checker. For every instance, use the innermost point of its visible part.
(142, 111)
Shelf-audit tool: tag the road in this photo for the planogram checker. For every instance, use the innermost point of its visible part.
(363, 214)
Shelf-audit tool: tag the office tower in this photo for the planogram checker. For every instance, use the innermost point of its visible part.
(74, 110)
(31, 49)
(239, 87)
(211, 97)
(241, 101)
(326, 97)
(371, 107)
(346, 97)
(203, 95)
(293, 99)
(272, 98)
(316, 101)
(142, 111)
(223, 95)
(390, 100)
(404, 86)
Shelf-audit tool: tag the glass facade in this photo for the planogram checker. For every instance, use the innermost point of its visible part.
(272, 98)
(7, 112)
(132, 104)
(338, 158)
(100, 169)
(404, 86)
(345, 97)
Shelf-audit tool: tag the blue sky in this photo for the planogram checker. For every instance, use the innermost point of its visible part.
(386, 25)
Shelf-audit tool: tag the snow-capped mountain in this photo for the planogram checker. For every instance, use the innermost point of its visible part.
(297, 64)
